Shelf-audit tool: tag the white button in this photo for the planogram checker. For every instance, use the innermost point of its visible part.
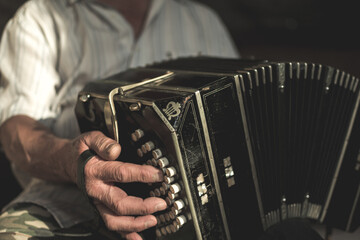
(167, 217)
(169, 201)
(143, 149)
(139, 152)
(163, 162)
(134, 137)
(181, 220)
(170, 172)
(179, 204)
(157, 153)
(157, 192)
(175, 211)
(163, 231)
(165, 185)
(162, 190)
(139, 133)
(168, 180)
(174, 228)
(158, 233)
(172, 215)
(149, 146)
(175, 188)
(172, 195)
(154, 162)
(162, 218)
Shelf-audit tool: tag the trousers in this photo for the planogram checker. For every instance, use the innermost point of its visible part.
(28, 221)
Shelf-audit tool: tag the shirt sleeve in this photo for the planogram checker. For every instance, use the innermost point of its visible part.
(27, 65)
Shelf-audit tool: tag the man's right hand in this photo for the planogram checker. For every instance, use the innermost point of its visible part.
(116, 208)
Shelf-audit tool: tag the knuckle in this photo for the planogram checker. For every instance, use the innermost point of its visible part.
(144, 211)
(119, 174)
(92, 189)
(138, 228)
(119, 207)
(145, 174)
(110, 224)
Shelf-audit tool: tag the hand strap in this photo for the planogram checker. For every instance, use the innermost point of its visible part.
(83, 159)
(85, 156)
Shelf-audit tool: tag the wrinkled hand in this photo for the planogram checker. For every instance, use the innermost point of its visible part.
(117, 209)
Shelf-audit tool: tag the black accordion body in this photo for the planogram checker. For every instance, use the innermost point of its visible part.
(244, 145)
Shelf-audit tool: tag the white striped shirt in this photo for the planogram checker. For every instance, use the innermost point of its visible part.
(51, 48)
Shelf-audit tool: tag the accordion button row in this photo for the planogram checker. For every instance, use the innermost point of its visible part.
(170, 189)
(173, 227)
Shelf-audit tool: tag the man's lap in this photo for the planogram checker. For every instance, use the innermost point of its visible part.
(31, 222)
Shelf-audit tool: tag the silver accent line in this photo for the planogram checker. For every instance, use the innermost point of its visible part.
(298, 70)
(251, 155)
(319, 73)
(312, 71)
(163, 118)
(290, 70)
(347, 80)
(305, 70)
(341, 158)
(182, 172)
(212, 164)
(336, 78)
(352, 83)
(353, 209)
(123, 89)
(342, 78)
(329, 77)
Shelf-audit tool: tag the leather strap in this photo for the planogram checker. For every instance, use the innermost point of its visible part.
(85, 156)
(83, 159)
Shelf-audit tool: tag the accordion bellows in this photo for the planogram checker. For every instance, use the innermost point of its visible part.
(244, 144)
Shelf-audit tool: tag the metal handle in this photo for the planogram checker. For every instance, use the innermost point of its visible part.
(122, 90)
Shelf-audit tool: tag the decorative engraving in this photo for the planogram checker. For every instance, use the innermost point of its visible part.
(172, 110)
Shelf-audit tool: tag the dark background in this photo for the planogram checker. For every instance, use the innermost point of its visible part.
(316, 31)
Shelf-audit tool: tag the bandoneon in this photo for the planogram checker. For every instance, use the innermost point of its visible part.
(243, 144)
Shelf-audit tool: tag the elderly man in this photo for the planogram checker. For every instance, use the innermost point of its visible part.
(49, 51)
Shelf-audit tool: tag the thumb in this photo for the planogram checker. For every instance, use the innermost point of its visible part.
(105, 147)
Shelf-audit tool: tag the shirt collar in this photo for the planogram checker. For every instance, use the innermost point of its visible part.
(155, 8)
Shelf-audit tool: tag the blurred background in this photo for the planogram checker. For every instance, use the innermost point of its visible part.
(315, 31)
(321, 31)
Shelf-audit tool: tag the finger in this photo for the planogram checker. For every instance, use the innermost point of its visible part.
(106, 148)
(131, 236)
(131, 205)
(130, 224)
(115, 171)
(119, 202)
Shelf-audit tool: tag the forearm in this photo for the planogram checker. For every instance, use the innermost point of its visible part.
(33, 148)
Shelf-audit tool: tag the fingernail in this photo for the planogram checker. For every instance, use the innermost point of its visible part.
(160, 206)
(109, 148)
(150, 223)
(158, 177)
